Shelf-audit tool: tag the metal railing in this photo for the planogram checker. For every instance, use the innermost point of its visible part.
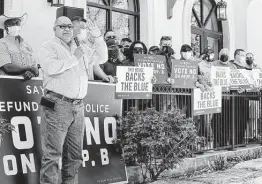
(238, 124)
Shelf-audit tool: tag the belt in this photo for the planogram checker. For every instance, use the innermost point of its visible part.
(63, 98)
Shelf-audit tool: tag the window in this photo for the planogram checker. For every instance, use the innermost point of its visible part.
(120, 15)
(206, 30)
(1, 13)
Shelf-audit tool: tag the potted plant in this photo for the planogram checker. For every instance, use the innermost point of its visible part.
(5, 127)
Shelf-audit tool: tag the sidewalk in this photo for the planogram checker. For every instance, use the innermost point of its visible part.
(249, 172)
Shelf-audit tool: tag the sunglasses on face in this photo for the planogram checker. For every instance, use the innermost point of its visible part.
(138, 50)
(13, 22)
(169, 45)
(110, 37)
(70, 27)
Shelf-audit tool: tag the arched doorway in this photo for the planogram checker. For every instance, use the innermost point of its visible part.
(120, 15)
(206, 31)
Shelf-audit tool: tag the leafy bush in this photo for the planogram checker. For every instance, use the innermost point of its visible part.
(257, 154)
(154, 140)
(220, 164)
(5, 127)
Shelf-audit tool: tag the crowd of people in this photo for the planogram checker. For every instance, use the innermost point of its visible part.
(80, 52)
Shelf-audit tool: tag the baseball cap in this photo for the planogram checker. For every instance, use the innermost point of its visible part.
(113, 42)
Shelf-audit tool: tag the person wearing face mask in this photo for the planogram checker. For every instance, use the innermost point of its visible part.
(110, 66)
(223, 60)
(153, 50)
(125, 43)
(16, 56)
(137, 47)
(96, 53)
(186, 52)
(204, 79)
(250, 62)
(109, 34)
(222, 139)
(166, 50)
(254, 112)
(204, 65)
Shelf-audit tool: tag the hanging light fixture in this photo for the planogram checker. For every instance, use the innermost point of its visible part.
(57, 3)
(222, 10)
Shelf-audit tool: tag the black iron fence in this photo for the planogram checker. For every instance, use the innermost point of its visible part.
(238, 124)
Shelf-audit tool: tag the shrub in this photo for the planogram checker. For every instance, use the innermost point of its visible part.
(5, 127)
(156, 141)
(220, 164)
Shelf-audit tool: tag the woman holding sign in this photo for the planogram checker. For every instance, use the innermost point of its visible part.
(204, 78)
(137, 47)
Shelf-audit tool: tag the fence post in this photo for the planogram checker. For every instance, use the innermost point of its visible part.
(233, 121)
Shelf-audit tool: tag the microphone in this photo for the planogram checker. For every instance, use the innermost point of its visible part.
(77, 41)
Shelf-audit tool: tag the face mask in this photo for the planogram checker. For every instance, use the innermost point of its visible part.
(186, 55)
(224, 58)
(211, 58)
(126, 49)
(113, 54)
(14, 30)
(82, 35)
(249, 61)
(168, 50)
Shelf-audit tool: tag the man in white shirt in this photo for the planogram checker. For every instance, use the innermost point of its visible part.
(65, 78)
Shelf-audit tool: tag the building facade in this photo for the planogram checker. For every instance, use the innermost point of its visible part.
(187, 22)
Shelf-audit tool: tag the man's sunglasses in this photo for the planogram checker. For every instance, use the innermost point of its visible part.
(70, 27)
(110, 37)
(13, 22)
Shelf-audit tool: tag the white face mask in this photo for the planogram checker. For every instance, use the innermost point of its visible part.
(186, 55)
(14, 30)
(82, 35)
(211, 57)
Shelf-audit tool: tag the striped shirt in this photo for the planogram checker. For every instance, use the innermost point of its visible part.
(16, 51)
(63, 73)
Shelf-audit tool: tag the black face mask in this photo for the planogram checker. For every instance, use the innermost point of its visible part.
(168, 50)
(249, 61)
(113, 54)
(126, 49)
(223, 58)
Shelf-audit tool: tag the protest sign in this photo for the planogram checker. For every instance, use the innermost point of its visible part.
(207, 102)
(184, 73)
(220, 76)
(257, 74)
(20, 151)
(134, 82)
(241, 78)
(158, 62)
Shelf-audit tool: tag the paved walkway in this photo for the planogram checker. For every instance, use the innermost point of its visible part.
(249, 172)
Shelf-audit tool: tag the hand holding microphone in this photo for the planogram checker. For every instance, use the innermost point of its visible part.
(79, 52)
